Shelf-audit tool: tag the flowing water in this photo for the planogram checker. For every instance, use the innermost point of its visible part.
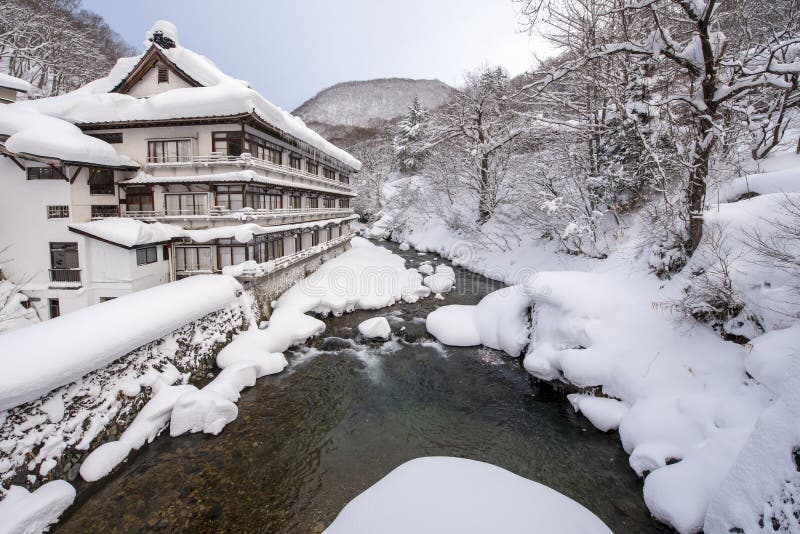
(347, 412)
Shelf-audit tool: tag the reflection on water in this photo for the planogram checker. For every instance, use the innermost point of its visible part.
(342, 416)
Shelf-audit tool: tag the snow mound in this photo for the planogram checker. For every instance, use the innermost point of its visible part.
(605, 414)
(375, 328)
(129, 232)
(498, 321)
(441, 494)
(23, 512)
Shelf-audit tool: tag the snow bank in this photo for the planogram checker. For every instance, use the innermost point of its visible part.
(42, 357)
(377, 327)
(13, 314)
(23, 512)
(605, 414)
(783, 181)
(41, 135)
(499, 321)
(366, 277)
(440, 494)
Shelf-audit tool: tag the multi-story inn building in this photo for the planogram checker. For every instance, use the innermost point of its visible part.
(165, 168)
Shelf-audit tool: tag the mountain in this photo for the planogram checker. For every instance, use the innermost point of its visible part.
(350, 112)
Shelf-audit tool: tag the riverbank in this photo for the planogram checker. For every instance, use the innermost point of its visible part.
(345, 413)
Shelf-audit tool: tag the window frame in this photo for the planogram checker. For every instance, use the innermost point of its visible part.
(144, 257)
(105, 188)
(44, 173)
(163, 157)
(59, 211)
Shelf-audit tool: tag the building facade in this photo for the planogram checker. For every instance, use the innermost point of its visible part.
(166, 168)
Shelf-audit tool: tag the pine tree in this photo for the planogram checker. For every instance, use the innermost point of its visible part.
(408, 154)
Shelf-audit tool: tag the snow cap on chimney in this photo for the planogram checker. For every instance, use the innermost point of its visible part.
(163, 33)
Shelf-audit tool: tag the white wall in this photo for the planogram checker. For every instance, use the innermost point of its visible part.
(149, 86)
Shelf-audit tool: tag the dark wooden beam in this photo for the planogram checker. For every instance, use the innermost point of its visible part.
(16, 161)
(77, 171)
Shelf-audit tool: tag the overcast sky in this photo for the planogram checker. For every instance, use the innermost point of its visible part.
(290, 50)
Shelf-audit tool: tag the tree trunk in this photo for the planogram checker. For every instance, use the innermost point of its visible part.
(484, 202)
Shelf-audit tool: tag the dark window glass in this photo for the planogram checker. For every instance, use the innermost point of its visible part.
(146, 255)
(57, 212)
(101, 182)
(330, 174)
(139, 200)
(101, 212)
(165, 252)
(312, 167)
(227, 143)
(298, 242)
(63, 255)
(43, 173)
(53, 308)
(295, 161)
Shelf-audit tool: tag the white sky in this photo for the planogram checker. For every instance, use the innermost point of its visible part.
(291, 50)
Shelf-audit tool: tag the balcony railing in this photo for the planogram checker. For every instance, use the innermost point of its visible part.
(65, 277)
(246, 214)
(246, 160)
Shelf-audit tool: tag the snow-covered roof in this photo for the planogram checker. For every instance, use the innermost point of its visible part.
(40, 135)
(42, 357)
(219, 96)
(12, 82)
(132, 233)
(247, 175)
(128, 233)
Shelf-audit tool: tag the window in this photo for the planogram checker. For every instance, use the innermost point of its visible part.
(275, 249)
(312, 167)
(294, 202)
(165, 252)
(295, 161)
(230, 197)
(169, 151)
(344, 178)
(329, 233)
(227, 143)
(298, 242)
(63, 255)
(328, 202)
(45, 173)
(53, 308)
(344, 202)
(57, 212)
(190, 259)
(314, 238)
(146, 255)
(263, 149)
(101, 182)
(186, 203)
(230, 254)
(111, 138)
(163, 74)
(330, 174)
(313, 202)
(274, 201)
(138, 200)
(102, 212)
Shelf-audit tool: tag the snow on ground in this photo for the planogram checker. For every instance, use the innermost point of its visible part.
(44, 356)
(23, 512)
(442, 494)
(366, 277)
(685, 402)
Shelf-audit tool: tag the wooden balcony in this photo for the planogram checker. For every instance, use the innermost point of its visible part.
(65, 278)
(246, 160)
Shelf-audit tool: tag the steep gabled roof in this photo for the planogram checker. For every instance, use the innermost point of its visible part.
(153, 55)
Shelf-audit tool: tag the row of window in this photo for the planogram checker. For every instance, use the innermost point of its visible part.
(229, 197)
(200, 258)
(62, 211)
(101, 181)
(232, 144)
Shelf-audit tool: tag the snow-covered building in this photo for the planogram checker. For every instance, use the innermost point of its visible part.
(10, 86)
(105, 188)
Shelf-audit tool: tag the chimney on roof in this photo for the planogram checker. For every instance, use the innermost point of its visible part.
(162, 40)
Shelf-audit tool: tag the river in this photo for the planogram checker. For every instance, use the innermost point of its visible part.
(347, 412)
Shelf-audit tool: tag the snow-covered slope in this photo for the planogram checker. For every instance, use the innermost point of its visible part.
(346, 107)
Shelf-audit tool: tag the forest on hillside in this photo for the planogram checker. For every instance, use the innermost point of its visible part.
(56, 45)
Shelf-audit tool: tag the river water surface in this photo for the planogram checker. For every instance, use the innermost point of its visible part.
(344, 414)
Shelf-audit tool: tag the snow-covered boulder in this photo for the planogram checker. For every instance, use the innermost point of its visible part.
(426, 269)
(605, 414)
(23, 512)
(375, 328)
(201, 411)
(442, 494)
(498, 321)
(404, 246)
